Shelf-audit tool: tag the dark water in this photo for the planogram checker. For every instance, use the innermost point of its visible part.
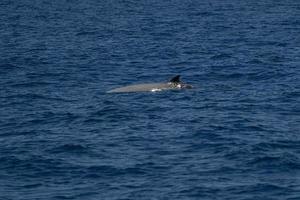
(236, 135)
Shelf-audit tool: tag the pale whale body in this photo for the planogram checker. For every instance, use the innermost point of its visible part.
(173, 84)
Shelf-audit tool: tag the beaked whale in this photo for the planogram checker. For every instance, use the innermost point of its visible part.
(173, 84)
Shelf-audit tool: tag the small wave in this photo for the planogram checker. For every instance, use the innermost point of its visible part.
(32, 165)
(7, 68)
(277, 145)
(255, 61)
(70, 148)
(30, 186)
(201, 192)
(34, 96)
(221, 56)
(32, 84)
(86, 33)
(259, 188)
(286, 161)
(63, 197)
(105, 170)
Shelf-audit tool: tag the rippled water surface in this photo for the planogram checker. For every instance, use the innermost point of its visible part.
(235, 135)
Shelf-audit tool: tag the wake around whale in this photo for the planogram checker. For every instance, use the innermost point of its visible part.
(173, 84)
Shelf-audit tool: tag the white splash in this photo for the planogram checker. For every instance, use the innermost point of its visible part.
(155, 90)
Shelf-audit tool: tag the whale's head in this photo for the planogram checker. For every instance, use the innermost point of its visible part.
(177, 83)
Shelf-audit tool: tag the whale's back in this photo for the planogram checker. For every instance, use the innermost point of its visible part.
(142, 88)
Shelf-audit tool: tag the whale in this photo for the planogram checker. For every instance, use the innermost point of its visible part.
(173, 84)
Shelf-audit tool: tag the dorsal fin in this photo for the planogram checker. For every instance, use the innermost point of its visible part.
(175, 79)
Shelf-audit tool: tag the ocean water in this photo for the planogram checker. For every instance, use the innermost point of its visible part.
(235, 135)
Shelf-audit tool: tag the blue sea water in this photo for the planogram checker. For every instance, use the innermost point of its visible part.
(236, 135)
